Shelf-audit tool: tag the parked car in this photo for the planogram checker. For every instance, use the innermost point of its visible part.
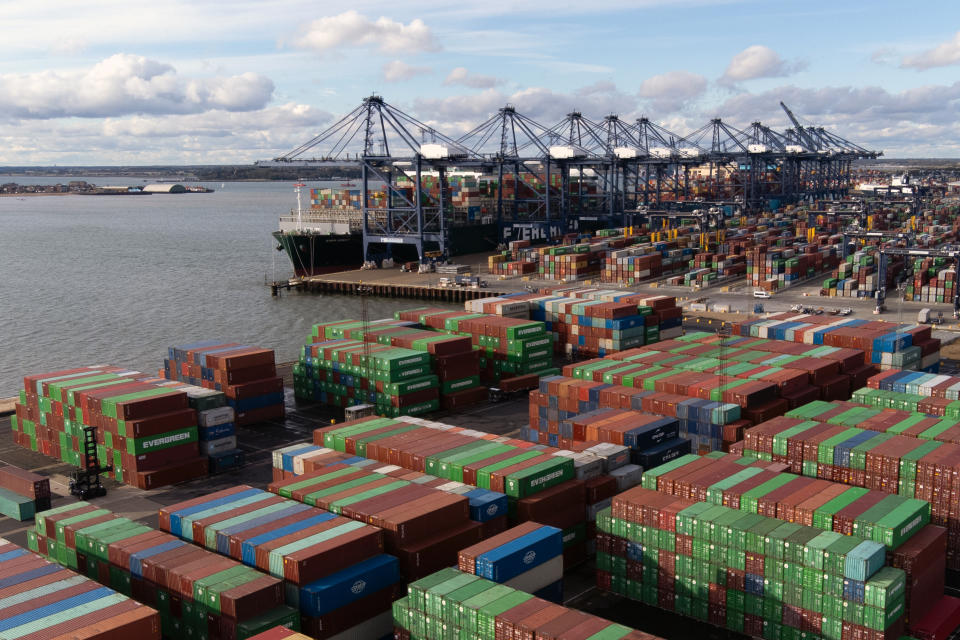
(759, 293)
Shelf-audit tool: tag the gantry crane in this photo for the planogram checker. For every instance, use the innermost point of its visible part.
(950, 252)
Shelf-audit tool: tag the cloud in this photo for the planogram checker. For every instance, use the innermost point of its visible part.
(460, 75)
(213, 137)
(919, 121)
(754, 62)
(126, 84)
(398, 70)
(942, 55)
(670, 91)
(350, 28)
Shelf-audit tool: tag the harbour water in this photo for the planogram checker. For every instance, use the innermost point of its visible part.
(117, 279)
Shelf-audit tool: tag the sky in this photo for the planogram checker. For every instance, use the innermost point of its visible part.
(100, 82)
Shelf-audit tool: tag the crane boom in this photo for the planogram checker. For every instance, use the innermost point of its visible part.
(809, 141)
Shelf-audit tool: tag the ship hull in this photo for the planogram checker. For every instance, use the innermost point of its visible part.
(313, 254)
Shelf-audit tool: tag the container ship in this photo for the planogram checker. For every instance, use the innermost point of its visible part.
(327, 236)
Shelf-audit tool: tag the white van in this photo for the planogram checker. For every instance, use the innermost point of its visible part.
(760, 293)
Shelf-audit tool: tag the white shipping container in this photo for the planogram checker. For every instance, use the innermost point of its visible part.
(539, 577)
(213, 417)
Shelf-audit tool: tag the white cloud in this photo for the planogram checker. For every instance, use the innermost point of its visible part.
(460, 75)
(754, 62)
(350, 28)
(398, 70)
(670, 91)
(212, 137)
(942, 55)
(126, 84)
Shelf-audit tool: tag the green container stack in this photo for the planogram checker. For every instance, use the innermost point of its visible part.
(453, 605)
(746, 572)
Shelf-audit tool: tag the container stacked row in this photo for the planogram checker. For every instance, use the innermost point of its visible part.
(333, 569)
(246, 375)
(296, 460)
(528, 557)
(22, 493)
(756, 486)
(452, 604)
(772, 269)
(508, 346)
(857, 277)
(592, 321)
(749, 573)
(560, 488)
(888, 412)
(884, 344)
(198, 594)
(453, 359)
(422, 526)
(41, 601)
(921, 384)
(145, 431)
(343, 373)
(891, 463)
(931, 283)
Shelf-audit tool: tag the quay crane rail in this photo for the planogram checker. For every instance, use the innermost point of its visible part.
(633, 164)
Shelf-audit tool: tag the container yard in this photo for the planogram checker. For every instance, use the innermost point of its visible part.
(562, 454)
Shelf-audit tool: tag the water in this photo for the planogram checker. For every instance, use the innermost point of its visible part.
(117, 279)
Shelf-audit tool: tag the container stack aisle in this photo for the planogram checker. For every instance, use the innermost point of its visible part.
(333, 568)
(454, 604)
(747, 572)
(42, 601)
(247, 376)
(144, 430)
(197, 593)
(23, 493)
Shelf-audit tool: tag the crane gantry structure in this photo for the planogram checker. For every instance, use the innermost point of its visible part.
(540, 171)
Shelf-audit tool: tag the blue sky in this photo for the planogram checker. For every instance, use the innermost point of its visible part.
(202, 82)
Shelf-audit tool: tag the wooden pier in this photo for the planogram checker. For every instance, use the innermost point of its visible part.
(319, 284)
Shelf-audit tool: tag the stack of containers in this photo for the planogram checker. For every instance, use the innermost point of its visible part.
(595, 321)
(572, 263)
(198, 593)
(247, 376)
(858, 277)
(487, 507)
(556, 410)
(41, 601)
(422, 526)
(528, 557)
(550, 486)
(757, 487)
(931, 283)
(145, 430)
(890, 346)
(451, 604)
(891, 461)
(344, 373)
(508, 346)
(452, 358)
(632, 265)
(333, 568)
(23, 493)
(747, 572)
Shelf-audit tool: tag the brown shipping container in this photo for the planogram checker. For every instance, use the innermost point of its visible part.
(25, 483)
(187, 470)
(347, 616)
(330, 556)
(422, 559)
